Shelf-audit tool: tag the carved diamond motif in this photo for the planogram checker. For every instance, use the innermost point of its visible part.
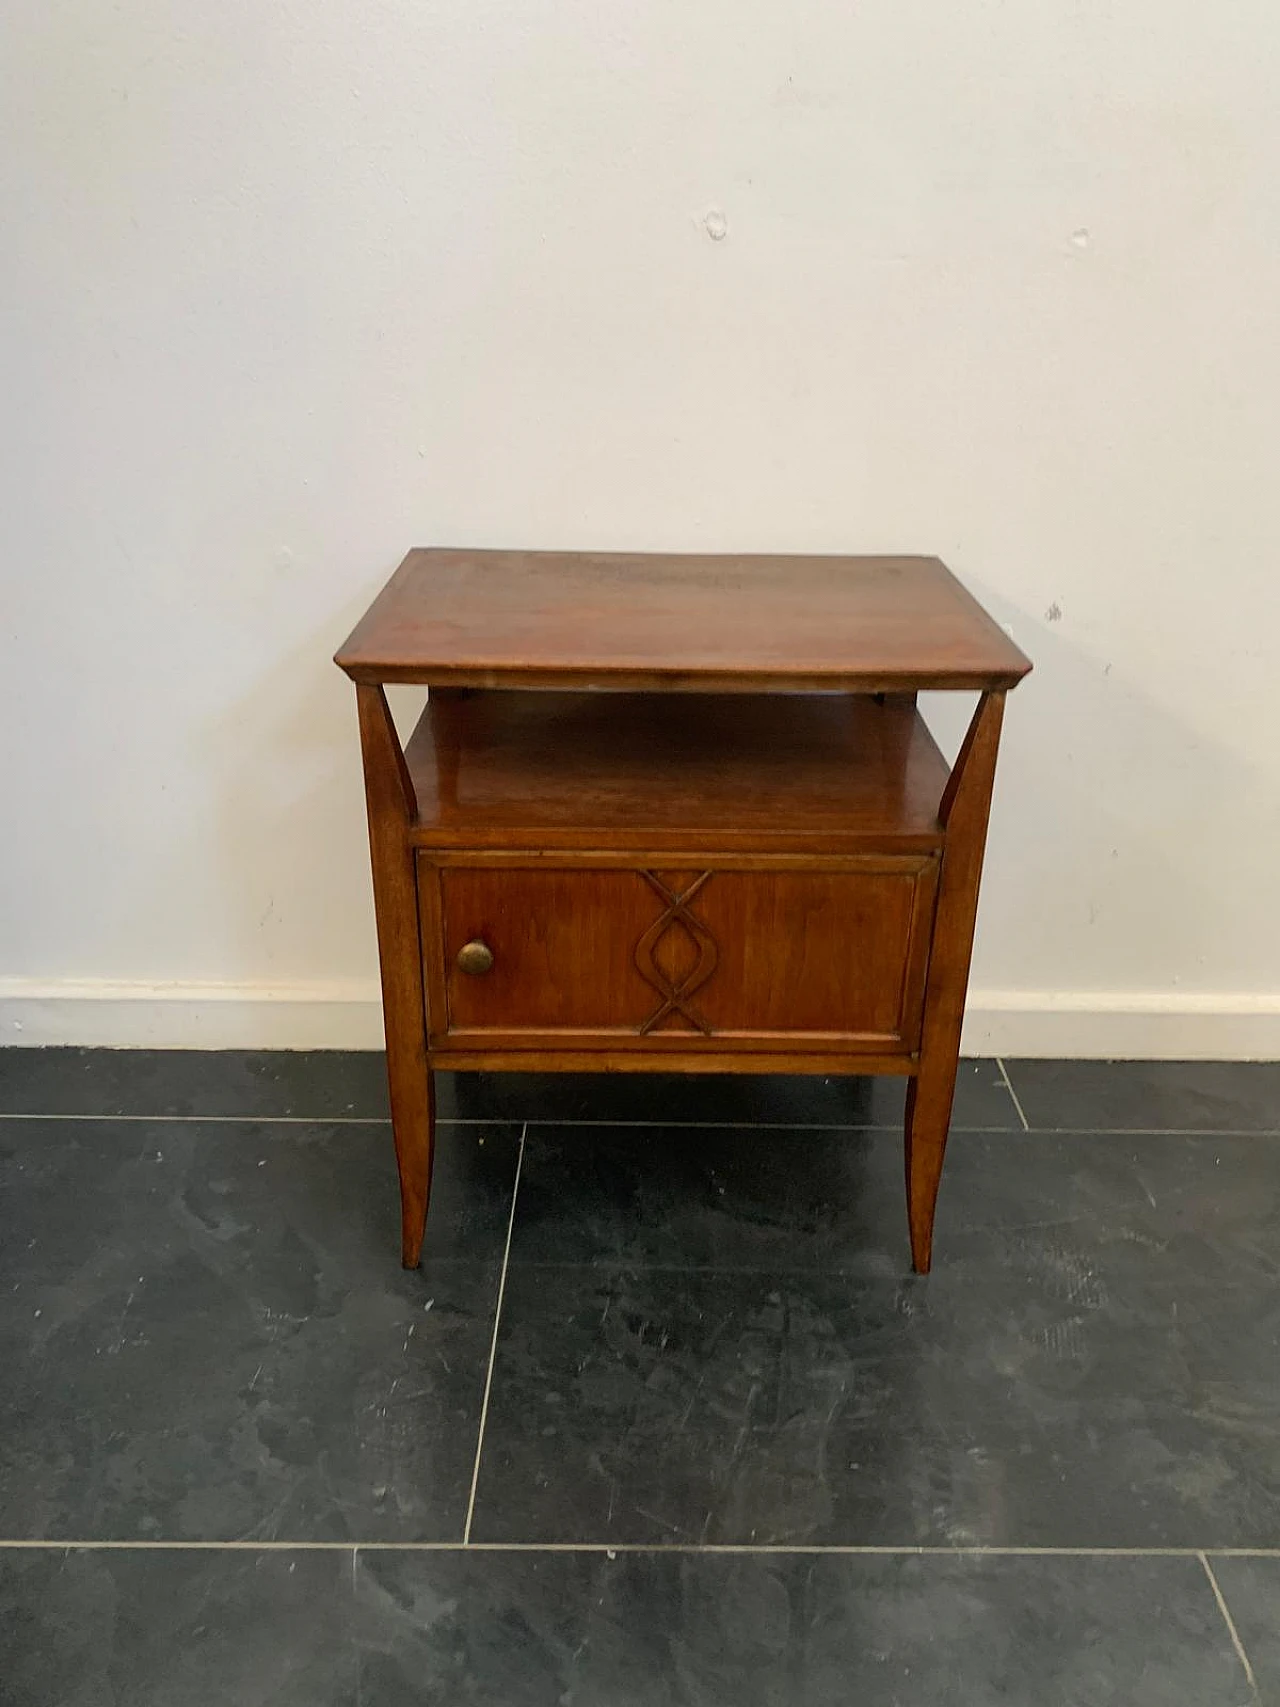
(675, 994)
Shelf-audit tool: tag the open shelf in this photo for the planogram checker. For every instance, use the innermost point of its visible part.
(832, 773)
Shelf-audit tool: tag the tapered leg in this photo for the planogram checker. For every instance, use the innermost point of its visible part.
(392, 808)
(929, 1099)
(413, 1119)
(964, 811)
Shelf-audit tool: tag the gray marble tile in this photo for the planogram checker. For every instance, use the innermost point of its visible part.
(1181, 1207)
(697, 1630)
(206, 1333)
(1124, 1210)
(982, 1098)
(315, 1084)
(176, 1629)
(713, 1196)
(329, 1084)
(195, 1629)
(1174, 1096)
(72, 1185)
(1251, 1589)
(1025, 1398)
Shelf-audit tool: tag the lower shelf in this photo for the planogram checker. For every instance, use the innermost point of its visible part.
(835, 773)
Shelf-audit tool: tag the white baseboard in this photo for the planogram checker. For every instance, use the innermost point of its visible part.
(328, 1014)
(1137, 1025)
(346, 1014)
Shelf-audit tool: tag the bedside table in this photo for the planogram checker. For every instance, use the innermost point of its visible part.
(679, 813)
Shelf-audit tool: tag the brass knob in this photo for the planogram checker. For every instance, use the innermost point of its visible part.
(475, 958)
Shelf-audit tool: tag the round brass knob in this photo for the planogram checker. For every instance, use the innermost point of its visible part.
(475, 958)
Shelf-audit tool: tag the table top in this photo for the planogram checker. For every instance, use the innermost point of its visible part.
(670, 622)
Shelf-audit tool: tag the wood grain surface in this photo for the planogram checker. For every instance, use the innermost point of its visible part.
(581, 619)
(620, 958)
(754, 771)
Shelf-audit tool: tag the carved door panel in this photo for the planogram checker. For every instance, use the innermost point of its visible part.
(657, 957)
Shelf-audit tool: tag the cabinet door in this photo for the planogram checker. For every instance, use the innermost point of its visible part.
(657, 958)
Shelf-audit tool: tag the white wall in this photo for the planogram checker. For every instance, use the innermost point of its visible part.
(289, 287)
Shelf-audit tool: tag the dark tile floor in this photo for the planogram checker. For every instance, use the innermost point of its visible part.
(663, 1418)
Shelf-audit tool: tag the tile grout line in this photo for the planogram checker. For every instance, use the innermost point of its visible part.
(253, 1119)
(1008, 1085)
(355, 1601)
(1230, 1623)
(958, 1128)
(733, 1548)
(493, 1347)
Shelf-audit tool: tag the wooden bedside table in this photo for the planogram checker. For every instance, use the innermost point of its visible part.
(680, 813)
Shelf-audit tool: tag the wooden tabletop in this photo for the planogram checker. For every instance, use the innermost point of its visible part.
(626, 620)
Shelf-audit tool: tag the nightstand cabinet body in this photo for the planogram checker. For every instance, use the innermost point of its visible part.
(650, 821)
